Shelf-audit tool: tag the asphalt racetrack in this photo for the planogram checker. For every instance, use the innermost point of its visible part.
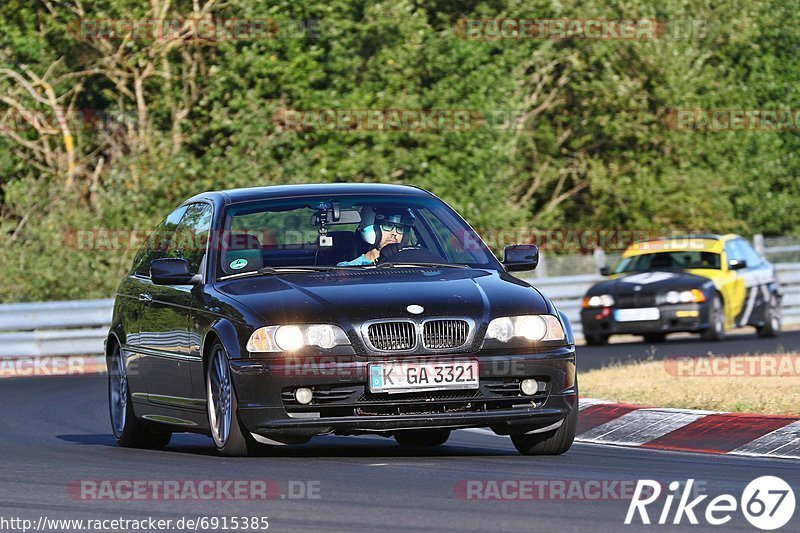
(740, 342)
(56, 434)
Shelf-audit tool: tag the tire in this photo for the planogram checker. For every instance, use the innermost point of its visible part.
(596, 340)
(422, 437)
(772, 319)
(553, 442)
(716, 319)
(229, 437)
(655, 338)
(129, 431)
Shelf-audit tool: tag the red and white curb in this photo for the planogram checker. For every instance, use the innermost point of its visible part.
(685, 430)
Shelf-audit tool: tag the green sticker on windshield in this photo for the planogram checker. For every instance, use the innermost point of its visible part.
(238, 263)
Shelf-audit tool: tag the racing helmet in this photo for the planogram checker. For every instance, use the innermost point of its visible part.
(372, 219)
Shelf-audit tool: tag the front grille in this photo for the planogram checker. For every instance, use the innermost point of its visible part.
(442, 334)
(392, 336)
(636, 300)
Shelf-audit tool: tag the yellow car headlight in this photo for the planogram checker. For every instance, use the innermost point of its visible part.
(603, 300)
(685, 297)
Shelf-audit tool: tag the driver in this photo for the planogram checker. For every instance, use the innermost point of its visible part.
(380, 228)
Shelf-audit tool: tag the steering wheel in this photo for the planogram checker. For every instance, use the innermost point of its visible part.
(393, 253)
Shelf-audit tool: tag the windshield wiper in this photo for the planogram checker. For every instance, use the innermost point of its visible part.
(272, 271)
(424, 265)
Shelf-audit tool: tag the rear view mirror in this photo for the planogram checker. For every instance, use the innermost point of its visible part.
(605, 271)
(518, 257)
(737, 264)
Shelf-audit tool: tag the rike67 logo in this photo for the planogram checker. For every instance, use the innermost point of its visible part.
(767, 503)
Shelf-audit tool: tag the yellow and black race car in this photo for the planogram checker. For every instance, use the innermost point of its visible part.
(696, 283)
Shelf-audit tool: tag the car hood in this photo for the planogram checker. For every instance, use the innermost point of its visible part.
(652, 282)
(352, 296)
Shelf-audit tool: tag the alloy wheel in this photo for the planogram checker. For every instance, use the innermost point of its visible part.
(118, 392)
(219, 397)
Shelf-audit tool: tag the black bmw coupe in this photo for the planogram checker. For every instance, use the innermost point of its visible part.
(269, 315)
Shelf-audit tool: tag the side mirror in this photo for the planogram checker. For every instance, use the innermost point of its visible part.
(605, 271)
(171, 272)
(518, 257)
(737, 264)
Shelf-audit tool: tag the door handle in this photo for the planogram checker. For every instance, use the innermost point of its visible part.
(145, 297)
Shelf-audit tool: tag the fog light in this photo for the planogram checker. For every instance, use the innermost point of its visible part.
(303, 396)
(529, 387)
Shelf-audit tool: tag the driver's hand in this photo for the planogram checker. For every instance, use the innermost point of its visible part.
(387, 252)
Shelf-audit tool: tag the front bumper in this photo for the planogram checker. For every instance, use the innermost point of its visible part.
(344, 405)
(672, 318)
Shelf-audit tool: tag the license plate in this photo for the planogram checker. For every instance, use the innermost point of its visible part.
(637, 315)
(406, 377)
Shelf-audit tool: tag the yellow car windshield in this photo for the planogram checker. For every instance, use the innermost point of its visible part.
(682, 260)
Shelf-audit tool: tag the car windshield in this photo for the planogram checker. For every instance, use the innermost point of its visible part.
(668, 260)
(317, 232)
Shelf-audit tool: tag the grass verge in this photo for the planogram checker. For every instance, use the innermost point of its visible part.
(747, 384)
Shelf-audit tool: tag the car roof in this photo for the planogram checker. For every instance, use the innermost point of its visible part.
(229, 196)
(681, 243)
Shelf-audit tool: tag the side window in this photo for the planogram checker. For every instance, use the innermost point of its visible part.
(191, 236)
(157, 243)
(142, 256)
(733, 251)
(750, 255)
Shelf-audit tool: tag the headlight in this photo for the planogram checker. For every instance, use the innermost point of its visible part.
(603, 300)
(685, 297)
(289, 338)
(293, 337)
(531, 327)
